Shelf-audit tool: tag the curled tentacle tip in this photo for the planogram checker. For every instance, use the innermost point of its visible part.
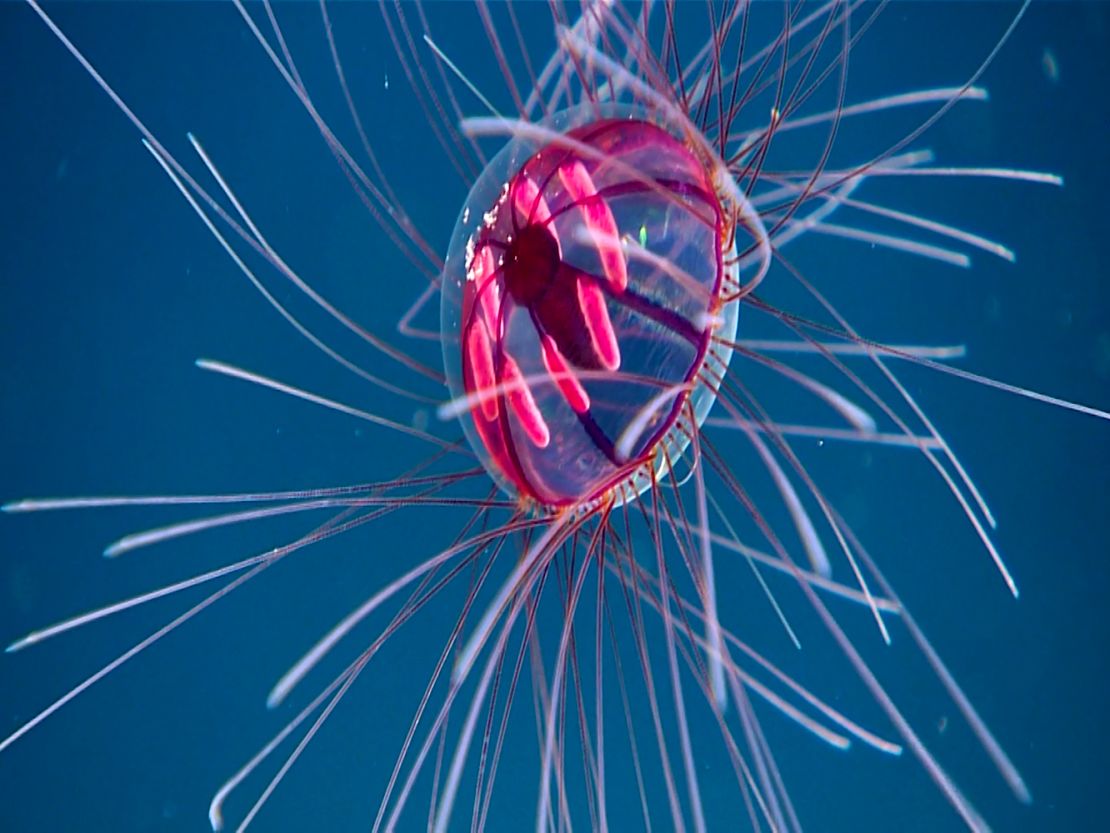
(721, 699)
(281, 690)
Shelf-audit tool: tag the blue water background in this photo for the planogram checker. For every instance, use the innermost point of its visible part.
(110, 289)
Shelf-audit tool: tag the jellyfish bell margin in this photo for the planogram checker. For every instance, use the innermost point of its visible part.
(590, 300)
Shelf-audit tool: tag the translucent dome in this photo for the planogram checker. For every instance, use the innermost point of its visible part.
(584, 306)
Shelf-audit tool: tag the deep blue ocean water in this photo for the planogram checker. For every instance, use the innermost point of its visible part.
(110, 289)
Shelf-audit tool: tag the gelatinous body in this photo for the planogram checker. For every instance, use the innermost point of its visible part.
(592, 288)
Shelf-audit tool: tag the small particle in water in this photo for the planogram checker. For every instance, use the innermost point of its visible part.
(387, 80)
(1050, 65)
